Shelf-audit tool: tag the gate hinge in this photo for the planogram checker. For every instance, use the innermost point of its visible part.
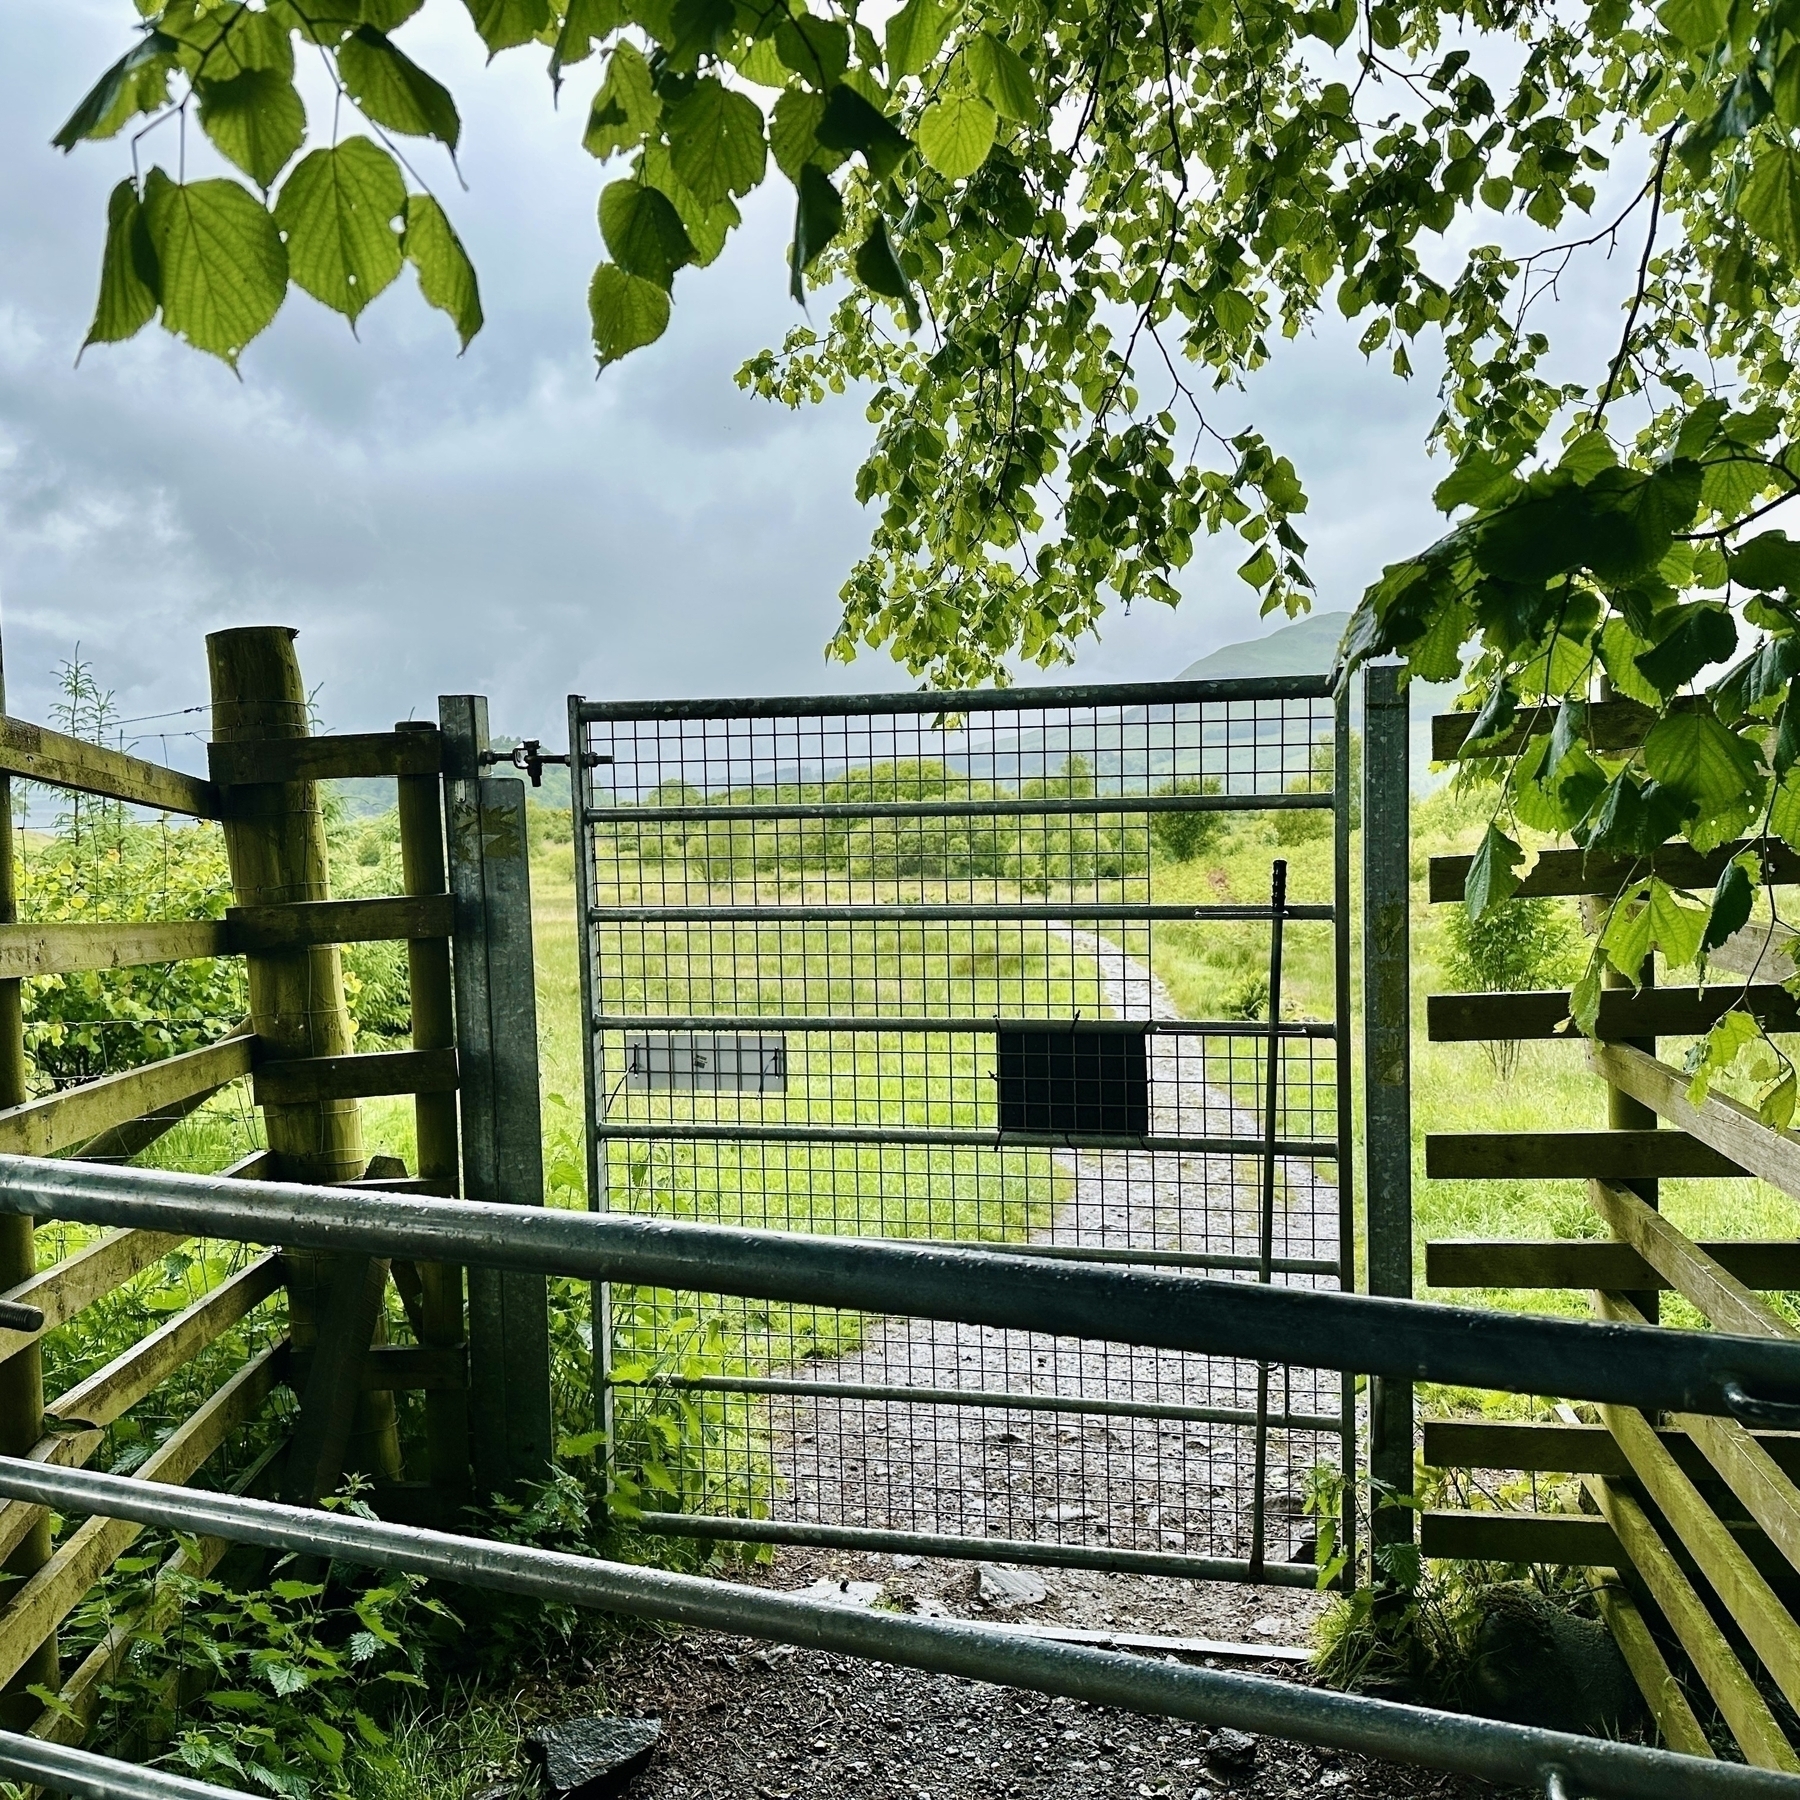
(531, 756)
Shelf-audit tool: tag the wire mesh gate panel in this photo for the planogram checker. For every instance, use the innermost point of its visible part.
(914, 966)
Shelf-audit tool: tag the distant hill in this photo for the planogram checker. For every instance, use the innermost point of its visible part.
(1309, 647)
(1306, 647)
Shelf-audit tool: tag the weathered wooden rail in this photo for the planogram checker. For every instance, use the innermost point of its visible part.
(1688, 1526)
(324, 1319)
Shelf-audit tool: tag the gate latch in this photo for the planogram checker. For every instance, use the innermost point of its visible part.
(531, 756)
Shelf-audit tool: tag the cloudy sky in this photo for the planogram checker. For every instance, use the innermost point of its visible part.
(499, 522)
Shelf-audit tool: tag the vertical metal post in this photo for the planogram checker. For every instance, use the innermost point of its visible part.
(421, 814)
(600, 1307)
(502, 1125)
(1265, 1257)
(22, 1377)
(1345, 795)
(1387, 1102)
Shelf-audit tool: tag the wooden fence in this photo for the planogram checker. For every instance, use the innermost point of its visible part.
(1688, 1527)
(324, 1321)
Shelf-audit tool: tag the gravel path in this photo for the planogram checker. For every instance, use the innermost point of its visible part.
(750, 1721)
(1173, 1485)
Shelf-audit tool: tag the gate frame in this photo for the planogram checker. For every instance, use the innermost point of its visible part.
(582, 713)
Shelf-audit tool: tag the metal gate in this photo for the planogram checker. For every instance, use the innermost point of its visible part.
(914, 966)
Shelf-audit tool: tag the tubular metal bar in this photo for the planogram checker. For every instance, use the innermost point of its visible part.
(953, 701)
(1320, 1149)
(1649, 1367)
(975, 1549)
(1265, 1259)
(1168, 1259)
(958, 809)
(1407, 1734)
(1252, 1028)
(901, 1395)
(905, 913)
(81, 1773)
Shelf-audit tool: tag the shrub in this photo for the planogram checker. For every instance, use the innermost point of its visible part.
(1514, 947)
(1183, 836)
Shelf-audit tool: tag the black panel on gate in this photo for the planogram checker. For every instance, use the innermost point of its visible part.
(1074, 1081)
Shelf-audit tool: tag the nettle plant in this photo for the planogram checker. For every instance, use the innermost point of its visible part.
(1048, 230)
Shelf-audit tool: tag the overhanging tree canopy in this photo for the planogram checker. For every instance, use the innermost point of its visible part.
(1059, 224)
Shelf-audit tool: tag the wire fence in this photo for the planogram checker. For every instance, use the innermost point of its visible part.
(890, 968)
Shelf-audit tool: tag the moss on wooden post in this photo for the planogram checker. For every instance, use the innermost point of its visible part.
(275, 840)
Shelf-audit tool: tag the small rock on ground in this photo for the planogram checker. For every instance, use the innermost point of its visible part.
(998, 1584)
(590, 1759)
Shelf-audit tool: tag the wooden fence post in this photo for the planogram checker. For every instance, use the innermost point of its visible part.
(21, 1376)
(502, 1127)
(434, 1028)
(275, 841)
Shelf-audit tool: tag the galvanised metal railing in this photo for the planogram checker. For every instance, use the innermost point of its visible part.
(1647, 1367)
(1650, 1367)
(1559, 1764)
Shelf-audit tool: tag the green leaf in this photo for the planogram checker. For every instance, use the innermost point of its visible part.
(1730, 906)
(325, 22)
(1695, 755)
(698, 28)
(1437, 655)
(628, 312)
(1478, 480)
(818, 218)
(1676, 926)
(1770, 201)
(446, 276)
(1003, 79)
(1628, 936)
(626, 109)
(817, 50)
(644, 232)
(390, 15)
(956, 134)
(794, 130)
(1770, 560)
(1704, 634)
(915, 34)
(1786, 89)
(1697, 23)
(1784, 809)
(256, 119)
(338, 211)
(1584, 998)
(223, 267)
(878, 269)
(137, 83)
(1493, 872)
(716, 142)
(1619, 649)
(1561, 799)
(504, 24)
(128, 272)
(585, 23)
(707, 226)
(217, 41)
(394, 91)
(1720, 1048)
(849, 122)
